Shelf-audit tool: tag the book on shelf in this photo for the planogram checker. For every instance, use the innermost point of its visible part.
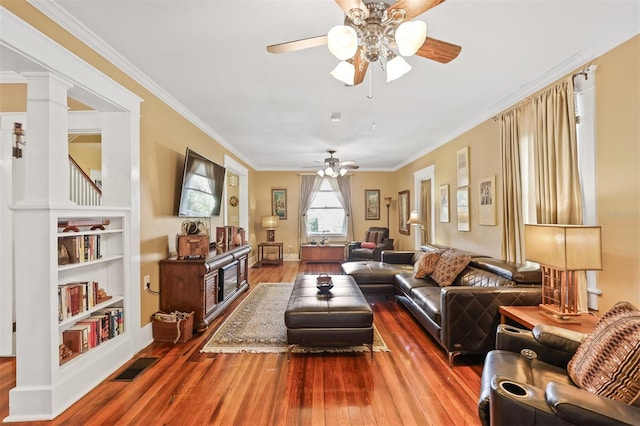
(79, 248)
(76, 297)
(76, 338)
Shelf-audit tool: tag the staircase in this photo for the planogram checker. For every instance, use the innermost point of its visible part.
(83, 190)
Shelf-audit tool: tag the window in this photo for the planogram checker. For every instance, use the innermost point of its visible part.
(326, 215)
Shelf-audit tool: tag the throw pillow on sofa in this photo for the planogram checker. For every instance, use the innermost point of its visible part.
(450, 264)
(607, 361)
(426, 264)
(368, 245)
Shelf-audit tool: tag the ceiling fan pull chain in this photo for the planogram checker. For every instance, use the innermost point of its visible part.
(370, 95)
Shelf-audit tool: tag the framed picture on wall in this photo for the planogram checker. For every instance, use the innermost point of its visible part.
(487, 197)
(372, 204)
(444, 203)
(279, 203)
(403, 212)
(462, 206)
(462, 166)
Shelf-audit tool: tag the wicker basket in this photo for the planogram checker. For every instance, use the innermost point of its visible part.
(176, 331)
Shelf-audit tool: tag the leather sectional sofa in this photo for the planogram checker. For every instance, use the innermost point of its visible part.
(462, 317)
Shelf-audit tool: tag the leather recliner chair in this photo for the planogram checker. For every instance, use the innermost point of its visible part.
(377, 238)
(525, 382)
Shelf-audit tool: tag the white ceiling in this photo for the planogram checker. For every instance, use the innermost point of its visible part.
(207, 58)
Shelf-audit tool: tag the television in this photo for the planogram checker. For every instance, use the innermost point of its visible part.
(202, 185)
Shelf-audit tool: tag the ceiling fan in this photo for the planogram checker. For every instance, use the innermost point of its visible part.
(333, 167)
(373, 31)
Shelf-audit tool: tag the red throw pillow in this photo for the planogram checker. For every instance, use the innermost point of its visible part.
(368, 245)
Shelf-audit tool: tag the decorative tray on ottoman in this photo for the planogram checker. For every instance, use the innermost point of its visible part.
(324, 283)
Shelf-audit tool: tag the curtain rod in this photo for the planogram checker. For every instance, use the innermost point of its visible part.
(584, 72)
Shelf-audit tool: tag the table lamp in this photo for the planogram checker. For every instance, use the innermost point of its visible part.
(270, 223)
(414, 218)
(561, 250)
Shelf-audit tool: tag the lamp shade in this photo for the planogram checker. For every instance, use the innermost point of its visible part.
(270, 222)
(414, 218)
(345, 72)
(410, 36)
(396, 68)
(387, 201)
(564, 247)
(342, 42)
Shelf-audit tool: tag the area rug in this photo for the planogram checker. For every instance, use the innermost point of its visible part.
(257, 325)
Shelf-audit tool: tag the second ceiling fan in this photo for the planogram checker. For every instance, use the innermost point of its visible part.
(375, 31)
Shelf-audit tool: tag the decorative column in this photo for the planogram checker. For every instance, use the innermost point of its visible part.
(46, 185)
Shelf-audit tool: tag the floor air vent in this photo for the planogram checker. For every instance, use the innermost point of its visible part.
(135, 369)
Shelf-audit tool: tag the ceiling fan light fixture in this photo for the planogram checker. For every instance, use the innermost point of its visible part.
(320, 173)
(342, 42)
(345, 72)
(410, 36)
(343, 172)
(396, 68)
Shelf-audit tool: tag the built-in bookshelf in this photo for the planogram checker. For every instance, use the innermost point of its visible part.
(39, 199)
(91, 283)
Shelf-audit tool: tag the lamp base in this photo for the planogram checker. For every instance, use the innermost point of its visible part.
(551, 312)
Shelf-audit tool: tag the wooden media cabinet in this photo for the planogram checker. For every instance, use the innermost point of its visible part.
(204, 286)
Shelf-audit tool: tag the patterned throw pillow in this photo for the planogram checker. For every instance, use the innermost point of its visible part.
(374, 237)
(426, 264)
(450, 264)
(607, 361)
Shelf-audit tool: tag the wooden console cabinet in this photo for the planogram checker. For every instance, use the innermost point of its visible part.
(206, 286)
(322, 253)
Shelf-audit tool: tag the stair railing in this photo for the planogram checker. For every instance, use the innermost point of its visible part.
(82, 189)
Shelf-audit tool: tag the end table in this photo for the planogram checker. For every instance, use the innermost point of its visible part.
(261, 258)
(530, 316)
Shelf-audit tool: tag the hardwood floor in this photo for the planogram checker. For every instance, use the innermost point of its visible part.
(410, 385)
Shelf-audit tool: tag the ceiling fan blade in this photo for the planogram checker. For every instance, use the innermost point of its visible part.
(350, 166)
(439, 50)
(414, 8)
(292, 46)
(347, 5)
(348, 163)
(360, 65)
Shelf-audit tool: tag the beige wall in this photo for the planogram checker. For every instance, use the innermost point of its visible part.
(618, 171)
(484, 161)
(287, 231)
(165, 136)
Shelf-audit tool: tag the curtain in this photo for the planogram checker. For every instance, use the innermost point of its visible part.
(546, 129)
(513, 229)
(309, 185)
(558, 196)
(342, 187)
(558, 193)
(425, 211)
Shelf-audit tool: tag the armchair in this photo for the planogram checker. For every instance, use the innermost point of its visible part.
(376, 239)
(554, 376)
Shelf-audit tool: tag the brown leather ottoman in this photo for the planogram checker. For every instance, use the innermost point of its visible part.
(341, 317)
